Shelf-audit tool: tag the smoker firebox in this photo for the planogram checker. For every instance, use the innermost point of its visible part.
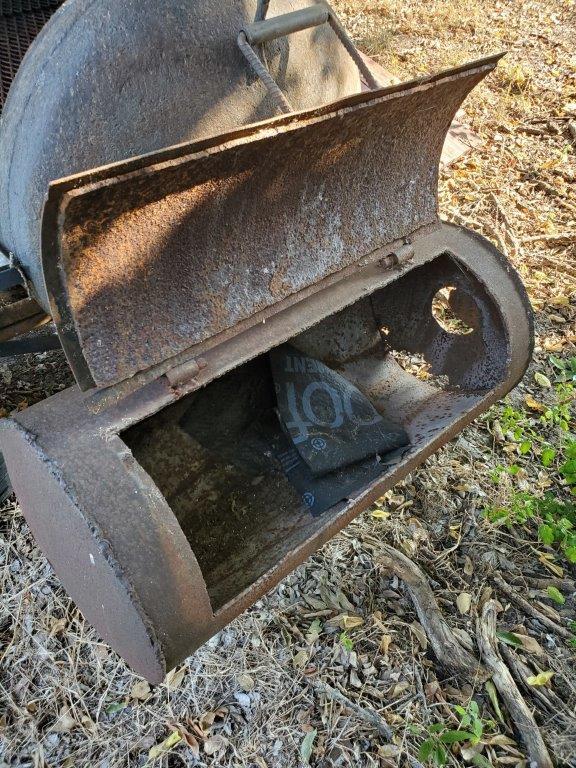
(174, 538)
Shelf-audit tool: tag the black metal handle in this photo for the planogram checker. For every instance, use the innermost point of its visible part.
(266, 30)
(288, 23)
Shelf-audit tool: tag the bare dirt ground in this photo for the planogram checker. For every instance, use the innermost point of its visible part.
(490, 515)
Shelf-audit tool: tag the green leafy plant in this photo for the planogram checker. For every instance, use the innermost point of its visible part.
(346, 641)
(439, 737)
(568, 468)
(555, 595)
(556, 518)
(522, 507)
(565, 370)
(547, 456)
(559, 414)
(559, 525)
(497, 473)
(523, 428)
(471, 720)
(572, 640)
(433, 749)
(515, 424)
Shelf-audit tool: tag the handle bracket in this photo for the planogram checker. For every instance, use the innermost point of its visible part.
(266, 30)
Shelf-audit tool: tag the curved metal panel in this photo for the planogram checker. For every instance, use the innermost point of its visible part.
(147, 258)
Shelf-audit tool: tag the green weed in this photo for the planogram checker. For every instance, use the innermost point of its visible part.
(346, 641)
(440, 737)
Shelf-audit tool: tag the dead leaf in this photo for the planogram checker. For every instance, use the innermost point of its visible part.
(351, 622)
(388, 750)
(175, 677)
(385, 641)
(89, 725)
(206, 721)
(399, 688)
(307, 746)
(343, 601)
(165, 746)
(380, 514)
(140, 690)
(65, 722)
(464, 602)
(300, 659)
(542, 678)
(418, 631)
(57, 626)
(533, 404)
(188, 737)
(530, 644)
(547, 561)
(469, 753)
(246, 682)
(499, 740)
(215, 744)
(560, 301)
(551, 345)
(542, 381)
(468, 566)
(355, 681)
(485, 595)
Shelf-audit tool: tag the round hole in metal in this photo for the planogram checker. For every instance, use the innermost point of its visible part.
(454, 311)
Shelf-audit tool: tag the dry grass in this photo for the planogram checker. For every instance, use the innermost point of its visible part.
(243, 699)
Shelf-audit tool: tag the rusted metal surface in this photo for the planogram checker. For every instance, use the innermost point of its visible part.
(460, 139)
(158, 579)
(109, 80)
(147, 258)
(172, 275)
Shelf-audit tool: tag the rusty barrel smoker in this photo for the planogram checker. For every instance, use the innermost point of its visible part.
(170, 278)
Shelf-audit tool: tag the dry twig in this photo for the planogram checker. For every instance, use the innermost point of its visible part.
(521, 672)
(563, 238)
(369, 716)
(529, 609)
(507, 688)
(446, 647)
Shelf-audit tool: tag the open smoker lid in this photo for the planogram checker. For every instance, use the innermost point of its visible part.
(159, 256)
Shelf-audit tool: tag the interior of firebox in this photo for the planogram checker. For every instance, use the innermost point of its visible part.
(224, 460)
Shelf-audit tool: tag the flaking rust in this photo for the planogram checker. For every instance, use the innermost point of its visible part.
(236, 224)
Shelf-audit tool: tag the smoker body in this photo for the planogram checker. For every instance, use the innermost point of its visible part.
(172, 275)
